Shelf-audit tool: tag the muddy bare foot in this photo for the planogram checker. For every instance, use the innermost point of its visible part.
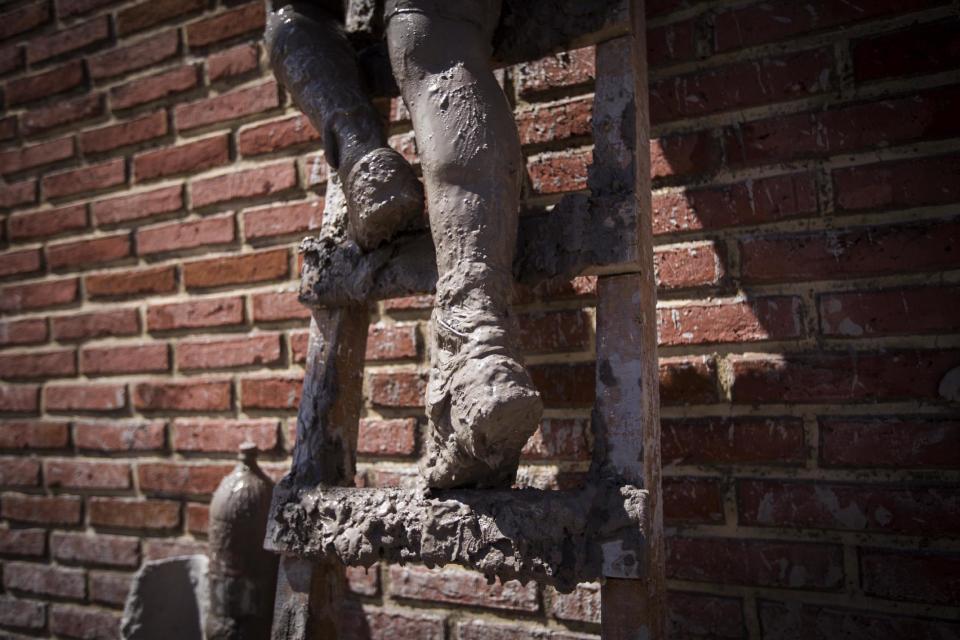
(383, 197)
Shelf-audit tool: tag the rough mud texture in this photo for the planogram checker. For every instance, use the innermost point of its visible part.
(383, 196)
(555, 537)
(168, 599)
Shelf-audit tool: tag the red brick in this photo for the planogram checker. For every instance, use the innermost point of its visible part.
(299, 346)
(49, 293)
(193, 395)
(270, 393)
(553, 123)
(234, 61)
(237, 269)
(884, 508)
(20, 262)
(268, 137)
(120, 359)
(148, 127)
(19, 399)
(917, 577)
(580, 605)
(770, 318)
(52, 510)
(198, 518)
(456, 586)
(176, 236)
(123, 513)
(180, 478)
(890, 312)
(33, 435)
(391, 342)
(85, 397)
(67, 8)
(671, 43)
(137, 206)
(250, 183)
(86, 623)
(899, 184)
(738, 440)
(49, 222)
(227, 24)
(387, 437)
(80, 36)
(741, 84)
(36, 155)
(98, 324)
(411, 303)
(47, 364)
(84, 253)
(366, 622)
(192, 157)
(11, 59)
(82, 474)
(890, 441)
(219, 353)
(223, 436)
(109, 588)
(23, 542)
(147, 14)
(922, 115)
(8, 128)
(132, 283)
(18, 332)
(169, 548)
(929, 48)
(19, 472)
(764, 563)
(840, 377)
(282, 220)
(17, 193)
(119, 436)
(24, 18)
(692, 501)
(559, 173)
(683, 154)
(228, 106)
(44, 579)
(688, 381)
(559, 439)
(61, 113)
(694, 265)
(548, 332)
(210, 312)
(855, 252)
(137, 55)
(691, 615)
(819, 622)
(275, 307)
(557, 71)
(399, 390)
(489, 630)
(93, 177)
(44, 84)
(565, 385)
(154, 87)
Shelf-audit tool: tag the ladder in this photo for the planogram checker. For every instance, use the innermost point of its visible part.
(612, 528)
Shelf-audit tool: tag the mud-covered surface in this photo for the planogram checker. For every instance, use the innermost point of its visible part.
(554, 537)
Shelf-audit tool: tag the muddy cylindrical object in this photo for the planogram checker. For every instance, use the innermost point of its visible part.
(242, 576)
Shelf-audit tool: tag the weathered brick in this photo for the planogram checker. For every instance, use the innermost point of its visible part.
(44, 84)
(194, 395)
(769, 318)
(37, 295)
(21, 332)
(50, 510)
(11, 59)
(456, 586)
(552, 331)
(233, 22)
(18, 193)
(670, 43)
(36, 155)
(154, 87)
(23, 398)
(560, 70)
(223, 436)
(739, 440)
(929, 48)
(140, 54)
(125, 513)
(20, 262)
(699, 264)
(697, 615)
(234, 61)
(555, 123)
(132, 282)
(19, 472)
(61, 113)
(387, 437)
(282, 220)
(391, 342)
(210, 312)
(24, 18)
(219, 353)
(85, 253)
(240, 269)
(918, 510)
(44, 579)
(250, 183)
(275, 307)
(363, 580)
(688, 381)
(823, 622)
(85, 397)
(38, 364)
(85, 623)
(559, 172)
(137, 206)
(122, 359)
(899, 184)
(268, 137)
(192, 157)
(93, 177)
(911, 576)
(80, 36)
(130, 132)
(692, 501)
(235, 104)
(34, 434)
(180, 478)
(83, 474)
(399, 390)
(141, 16)
(48, 222)
(107, 587)
(580, 605)
(178, 236)
(558, 439)
(160, 549)
(23, 542)
(890, 441)
(113, 436)
(98, 324)
(859, 314)
(683, 154)
(270, 393)
(366, 622)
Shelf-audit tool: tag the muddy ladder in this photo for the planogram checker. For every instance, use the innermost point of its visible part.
(614, 533)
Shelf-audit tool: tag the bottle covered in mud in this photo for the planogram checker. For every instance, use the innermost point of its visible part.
(242, 575)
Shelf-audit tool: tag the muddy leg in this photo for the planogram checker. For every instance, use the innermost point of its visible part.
(311, 56)
(481, 403)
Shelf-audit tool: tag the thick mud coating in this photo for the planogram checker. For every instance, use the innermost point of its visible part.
(554, 537)
(383, 197)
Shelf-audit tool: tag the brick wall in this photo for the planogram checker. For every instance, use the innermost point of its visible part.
(805, 163)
